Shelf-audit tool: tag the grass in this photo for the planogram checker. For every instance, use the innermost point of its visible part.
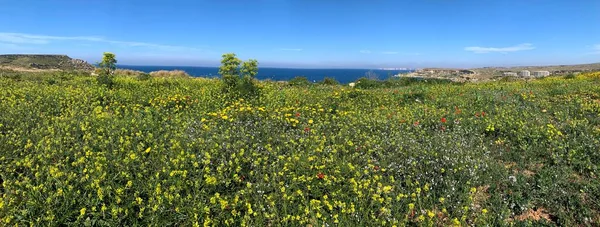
(176, 151)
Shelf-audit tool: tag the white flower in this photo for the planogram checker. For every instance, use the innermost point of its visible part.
(352, 84)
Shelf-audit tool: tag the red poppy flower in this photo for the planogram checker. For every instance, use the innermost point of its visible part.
(443, 120)
(307, 129)
(320, 175)
(482, 114)
(297, 114)
(416, 123)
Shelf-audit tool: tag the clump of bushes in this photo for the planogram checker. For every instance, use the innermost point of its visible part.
(170, 74)
(299, 81)
(144, 76)
(128, 72)
(329, 81)
(570, 76)
(364, 83)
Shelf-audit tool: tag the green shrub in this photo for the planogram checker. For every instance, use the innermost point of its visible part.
(128, 72)
(170, 74)
(106, 80)
(14, 75)
(299, 81)
(238, 77)
(365, 83)
(107, 69)
(329, 81)
(144, 76)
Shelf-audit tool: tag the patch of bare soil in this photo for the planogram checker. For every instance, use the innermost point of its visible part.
(534, 214)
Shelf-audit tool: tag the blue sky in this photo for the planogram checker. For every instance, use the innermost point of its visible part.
(309, 33)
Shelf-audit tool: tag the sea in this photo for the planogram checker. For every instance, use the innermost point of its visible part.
(283, 74)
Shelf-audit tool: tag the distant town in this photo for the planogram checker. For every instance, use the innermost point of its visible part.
(527, 73)
(403, 69)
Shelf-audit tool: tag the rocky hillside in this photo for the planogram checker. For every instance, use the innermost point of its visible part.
(43, 62)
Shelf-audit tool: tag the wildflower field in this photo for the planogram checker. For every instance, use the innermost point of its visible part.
(177, 151)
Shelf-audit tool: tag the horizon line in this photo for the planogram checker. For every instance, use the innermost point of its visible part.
(272, 67)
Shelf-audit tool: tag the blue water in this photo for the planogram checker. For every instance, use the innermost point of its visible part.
(278, 74)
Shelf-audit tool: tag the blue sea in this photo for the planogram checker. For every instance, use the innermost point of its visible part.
(279, 74)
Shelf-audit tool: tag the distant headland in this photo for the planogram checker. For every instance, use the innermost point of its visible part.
(41, 62)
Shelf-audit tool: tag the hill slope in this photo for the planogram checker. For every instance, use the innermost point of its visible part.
(43, 62)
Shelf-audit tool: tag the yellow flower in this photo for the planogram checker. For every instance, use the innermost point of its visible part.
(387, 189)
(430, 214)
(484, 211)
(211, 180)
(224, 117)
(82, 211)
(455, 222)
(310, 121)
(473, 190)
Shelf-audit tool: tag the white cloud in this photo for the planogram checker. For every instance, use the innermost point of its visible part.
(365, 51)
(21, 38)
(290, 49)
(389, 52)
(483, 50)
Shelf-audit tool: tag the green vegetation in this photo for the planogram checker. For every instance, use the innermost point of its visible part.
(170, 74)
(179, 151)
(299, 81)
(238, 76)
(107, 69)
(365, 83)
(329, 81)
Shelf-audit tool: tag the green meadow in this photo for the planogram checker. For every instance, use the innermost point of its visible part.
(157, 151)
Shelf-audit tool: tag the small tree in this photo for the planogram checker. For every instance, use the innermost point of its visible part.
(238, 76)
(229, 70)
(107, 69)
(108, 64)
(250, 68)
